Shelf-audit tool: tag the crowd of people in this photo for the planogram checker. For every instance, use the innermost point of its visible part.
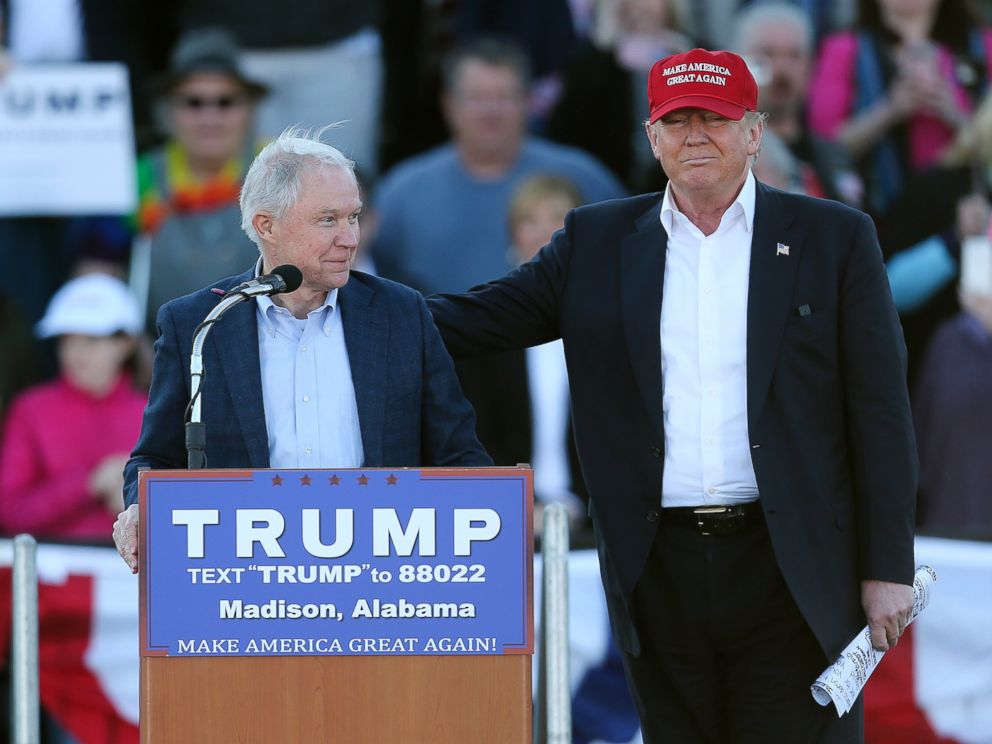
(477, 127)
(881, 106)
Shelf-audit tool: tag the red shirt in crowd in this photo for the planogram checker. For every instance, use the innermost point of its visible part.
(55, 435)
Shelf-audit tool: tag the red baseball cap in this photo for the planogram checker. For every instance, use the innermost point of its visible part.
(716, 81)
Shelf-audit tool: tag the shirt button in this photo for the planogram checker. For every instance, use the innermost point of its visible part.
(713, 490)
(306, 398)
(303, 348)
(307, 450)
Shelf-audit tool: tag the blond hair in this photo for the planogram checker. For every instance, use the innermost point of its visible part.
(536, 188)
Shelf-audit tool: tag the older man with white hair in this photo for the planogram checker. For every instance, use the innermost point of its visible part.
(346, 371)
(778, 42)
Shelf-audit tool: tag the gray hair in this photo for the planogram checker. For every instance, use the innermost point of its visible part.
(755, 117)
(272, 184)
(747, 21)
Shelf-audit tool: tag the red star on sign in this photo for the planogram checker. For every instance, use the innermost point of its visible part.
(305, 480)
(334, 480)
(276, 480)
(363, 480)
(391, 479)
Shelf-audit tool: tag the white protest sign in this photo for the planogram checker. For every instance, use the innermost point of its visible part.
(66, 140)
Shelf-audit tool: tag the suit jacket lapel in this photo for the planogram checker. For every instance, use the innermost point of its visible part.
(642, 273)
(368, 358)
(775, 255)
(237, 335)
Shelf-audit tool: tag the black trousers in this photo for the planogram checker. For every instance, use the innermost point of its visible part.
(726, 656)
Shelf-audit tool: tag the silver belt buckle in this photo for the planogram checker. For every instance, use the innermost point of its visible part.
(704, 511)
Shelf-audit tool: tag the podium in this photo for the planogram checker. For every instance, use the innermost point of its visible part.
(336, 606)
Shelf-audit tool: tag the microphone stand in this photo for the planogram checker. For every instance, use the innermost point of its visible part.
(196, 430)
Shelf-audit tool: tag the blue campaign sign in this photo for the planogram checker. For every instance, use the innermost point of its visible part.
(350, 562)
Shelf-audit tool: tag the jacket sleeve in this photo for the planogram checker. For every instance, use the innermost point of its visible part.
(448, 437)
(518, 310)
(161, 444)
(880, 428)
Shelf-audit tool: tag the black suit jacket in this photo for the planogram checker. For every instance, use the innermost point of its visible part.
(828, 414)
(498, 387)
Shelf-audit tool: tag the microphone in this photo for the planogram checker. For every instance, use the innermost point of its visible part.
(285, 278)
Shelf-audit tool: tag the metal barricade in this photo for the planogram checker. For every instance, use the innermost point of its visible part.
(24, 654)
(554, 697)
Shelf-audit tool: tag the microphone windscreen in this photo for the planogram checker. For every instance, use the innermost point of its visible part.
(291, 275)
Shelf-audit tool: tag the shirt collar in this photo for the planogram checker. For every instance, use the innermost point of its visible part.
(266, 307)
(744, 203)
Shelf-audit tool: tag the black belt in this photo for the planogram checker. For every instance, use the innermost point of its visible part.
(715, 520)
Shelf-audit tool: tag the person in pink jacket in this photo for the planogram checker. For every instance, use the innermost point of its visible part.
(65, 442)
(896, 88)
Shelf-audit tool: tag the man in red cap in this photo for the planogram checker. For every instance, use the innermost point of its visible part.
(737, 376)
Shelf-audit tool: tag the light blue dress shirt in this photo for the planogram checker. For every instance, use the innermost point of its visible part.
(310, 411)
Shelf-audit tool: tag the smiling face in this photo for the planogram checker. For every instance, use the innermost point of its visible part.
(705, 155)
(319, 233)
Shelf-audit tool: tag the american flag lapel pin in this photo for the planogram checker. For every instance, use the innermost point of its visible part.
(781, 249)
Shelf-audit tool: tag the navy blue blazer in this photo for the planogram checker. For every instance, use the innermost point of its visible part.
(411, 409)
(828, 413)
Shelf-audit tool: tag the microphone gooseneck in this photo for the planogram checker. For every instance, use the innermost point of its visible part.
(285, 278)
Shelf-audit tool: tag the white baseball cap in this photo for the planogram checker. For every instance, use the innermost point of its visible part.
(91, 305)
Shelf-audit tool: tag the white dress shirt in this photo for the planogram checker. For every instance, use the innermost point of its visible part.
(310, 411)
(704, 357)
(547, 382)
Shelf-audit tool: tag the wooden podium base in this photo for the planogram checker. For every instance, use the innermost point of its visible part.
(346, 699)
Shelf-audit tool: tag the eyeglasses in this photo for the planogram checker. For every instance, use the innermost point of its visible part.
(199, 103)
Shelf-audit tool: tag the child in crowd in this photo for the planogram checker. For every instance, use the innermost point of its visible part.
(65, 442)
(521, 397)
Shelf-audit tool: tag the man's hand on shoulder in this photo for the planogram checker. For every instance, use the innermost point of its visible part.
(887, 606)
(126, 536)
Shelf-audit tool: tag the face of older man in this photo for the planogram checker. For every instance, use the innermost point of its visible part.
(704, 154)
(320, 232)
(487, 109)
